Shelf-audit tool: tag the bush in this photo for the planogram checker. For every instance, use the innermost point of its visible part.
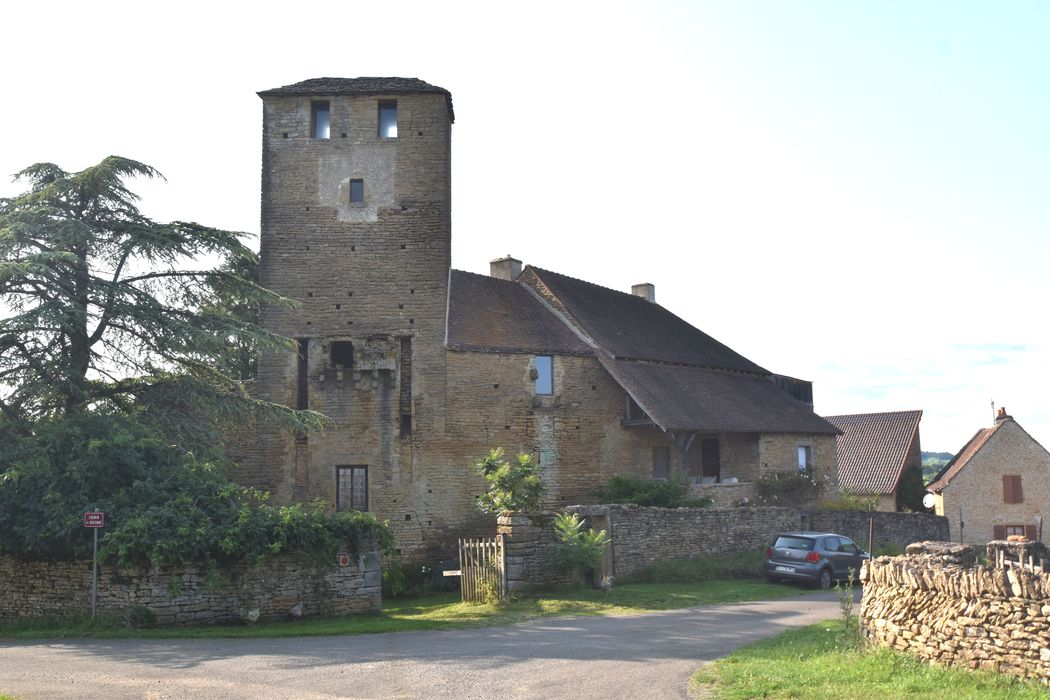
(704, 567)
(789, 487)
(512, 486)
(163, 507)
(578, 550)
(847, 500)
(673, 493)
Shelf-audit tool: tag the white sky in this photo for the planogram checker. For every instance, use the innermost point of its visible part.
(852, 193)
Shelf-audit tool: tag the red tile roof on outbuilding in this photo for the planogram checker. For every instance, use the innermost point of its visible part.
(873, 449)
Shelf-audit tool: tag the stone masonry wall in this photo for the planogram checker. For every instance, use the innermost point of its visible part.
(187, 595)
(642, 536)
(938, 604)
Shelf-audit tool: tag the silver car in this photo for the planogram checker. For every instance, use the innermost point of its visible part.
(819, 558)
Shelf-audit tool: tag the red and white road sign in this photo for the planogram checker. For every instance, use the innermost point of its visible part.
(94, 519)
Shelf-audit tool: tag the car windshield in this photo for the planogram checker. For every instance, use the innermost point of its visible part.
(794, 543)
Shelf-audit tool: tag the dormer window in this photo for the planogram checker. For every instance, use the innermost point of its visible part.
(388, 119)
(319, 122)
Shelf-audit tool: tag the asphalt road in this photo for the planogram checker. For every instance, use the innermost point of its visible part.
(638, 656)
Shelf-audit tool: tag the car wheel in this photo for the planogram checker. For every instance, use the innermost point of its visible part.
(825, 579)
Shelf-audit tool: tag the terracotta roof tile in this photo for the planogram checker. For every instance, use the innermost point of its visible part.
(873, 449)
(949, 470)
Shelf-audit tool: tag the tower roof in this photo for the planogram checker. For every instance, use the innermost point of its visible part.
(360, 86)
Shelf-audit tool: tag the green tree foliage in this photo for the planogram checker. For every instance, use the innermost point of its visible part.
(512, 486)
(672, 493)
(788, 487)
(108, 308)
(120, 365)
(162, 504)
(578, 549)
(910, 491)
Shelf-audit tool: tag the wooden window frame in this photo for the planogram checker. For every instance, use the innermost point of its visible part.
(350, 505)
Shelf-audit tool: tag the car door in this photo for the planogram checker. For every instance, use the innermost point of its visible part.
(832, 550)
(851, 556)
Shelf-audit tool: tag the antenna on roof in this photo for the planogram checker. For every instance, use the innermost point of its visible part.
(993, 410)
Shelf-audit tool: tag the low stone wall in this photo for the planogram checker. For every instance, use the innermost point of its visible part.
(189, 595)
(643, 536)
(940, 605)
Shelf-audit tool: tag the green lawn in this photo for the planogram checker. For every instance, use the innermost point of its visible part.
(814, 662)
(441, 611)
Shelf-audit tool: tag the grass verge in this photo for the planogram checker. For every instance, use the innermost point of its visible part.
(434, 612)
(816, 662)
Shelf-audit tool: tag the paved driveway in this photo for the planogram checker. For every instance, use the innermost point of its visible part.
(641, 656)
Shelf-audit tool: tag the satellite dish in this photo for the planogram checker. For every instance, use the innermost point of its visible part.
(929, 500)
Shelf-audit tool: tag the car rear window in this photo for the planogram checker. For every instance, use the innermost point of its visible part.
(794, 543)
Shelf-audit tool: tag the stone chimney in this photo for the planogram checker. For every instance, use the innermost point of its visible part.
(1002, 415)
(645, 290)
(506, 268)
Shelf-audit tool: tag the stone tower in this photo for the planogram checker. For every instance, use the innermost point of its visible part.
(356, 228)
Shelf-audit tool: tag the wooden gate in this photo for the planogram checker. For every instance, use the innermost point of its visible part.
(483, 570)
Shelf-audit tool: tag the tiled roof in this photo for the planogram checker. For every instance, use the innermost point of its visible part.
(629, 327)
(949, 470)
(493, 315)
(360, 86)
(694, 398)
(873, 449)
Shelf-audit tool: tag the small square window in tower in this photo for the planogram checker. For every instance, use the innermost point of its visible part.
(388, 119)
(341, 354)
(319, 125)
(544, 374)
(357, 191)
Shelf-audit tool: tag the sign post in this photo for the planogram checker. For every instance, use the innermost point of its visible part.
(95, 520)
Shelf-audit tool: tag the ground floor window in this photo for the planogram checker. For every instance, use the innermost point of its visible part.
(805, 457)
(351, 487)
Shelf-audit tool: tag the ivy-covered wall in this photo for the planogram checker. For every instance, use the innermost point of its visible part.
(190, 594)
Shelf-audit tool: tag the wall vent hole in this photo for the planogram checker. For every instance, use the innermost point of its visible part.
(400, 306)
(353, 248)
(343, 135)
(403, 246)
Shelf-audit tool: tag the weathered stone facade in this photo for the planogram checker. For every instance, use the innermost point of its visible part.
(977, 493)
(642, 536)
(188, 595)
(410, 411)
(938, 604)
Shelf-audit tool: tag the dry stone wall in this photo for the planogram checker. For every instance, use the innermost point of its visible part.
(190, 595)
(940, 605)
(642, 536)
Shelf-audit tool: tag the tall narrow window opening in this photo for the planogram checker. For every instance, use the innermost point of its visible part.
(302, 399)
(405, 398)
(357, 191)
(319, 122)
(544, 374)
(388, 119)
(805, 457)
(351, 487)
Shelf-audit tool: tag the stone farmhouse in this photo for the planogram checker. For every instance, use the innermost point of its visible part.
(423, 369)
(875, 450)
(997, 485)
